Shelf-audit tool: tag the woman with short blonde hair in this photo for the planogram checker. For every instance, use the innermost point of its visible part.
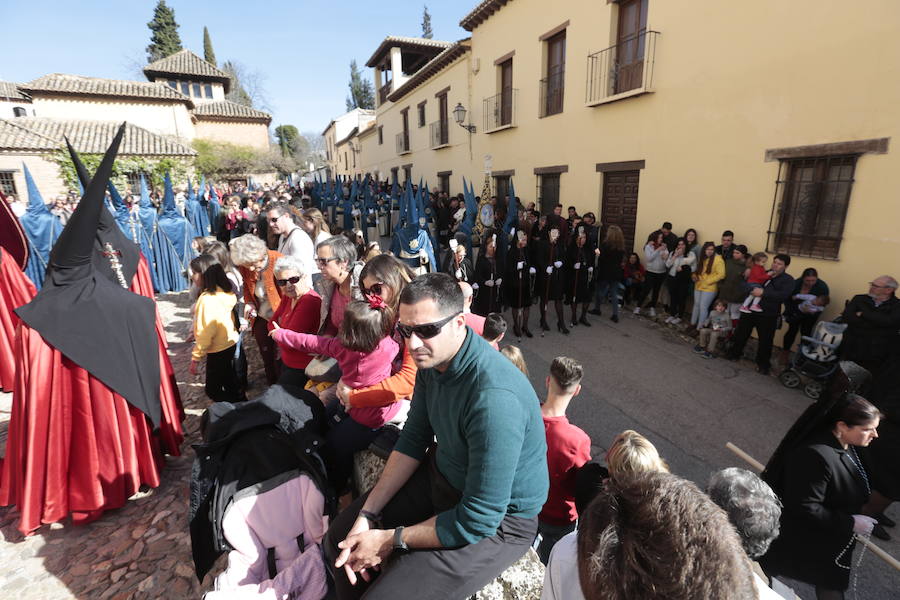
(633, 453)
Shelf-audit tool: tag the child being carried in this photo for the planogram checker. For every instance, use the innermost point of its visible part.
(757, 277)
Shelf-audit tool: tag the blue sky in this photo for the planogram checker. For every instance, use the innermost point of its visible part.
(302, 48)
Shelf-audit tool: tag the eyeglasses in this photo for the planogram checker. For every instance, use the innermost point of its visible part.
(881, 287)
(426, 331)
(283, 282)
(275, 219)
(374, 289)
(324, 261)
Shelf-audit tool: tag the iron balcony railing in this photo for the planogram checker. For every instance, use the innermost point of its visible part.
(500, 110)
(552, 88)
(622, 68)
(440, 134)
(402, 142)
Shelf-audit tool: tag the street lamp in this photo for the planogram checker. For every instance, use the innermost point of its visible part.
(459, 113)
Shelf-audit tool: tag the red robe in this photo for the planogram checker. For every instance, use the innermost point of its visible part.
(74, 446)
(15, 290)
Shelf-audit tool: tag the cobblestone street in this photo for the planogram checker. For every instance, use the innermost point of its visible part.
(141, 550)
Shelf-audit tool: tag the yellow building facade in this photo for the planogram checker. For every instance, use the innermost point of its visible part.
(762, 118)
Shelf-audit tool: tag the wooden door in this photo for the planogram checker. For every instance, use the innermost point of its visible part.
(506, 92)
(556, 73)
(444, 119)
(630, 42)
(405, 114)
(619, 206)
(549, 193)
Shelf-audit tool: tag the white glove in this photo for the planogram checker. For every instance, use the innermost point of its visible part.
(863, 524)
(458, 274)
(558, 264)
(520, 265)
(590, 270)
(355, 212)
(474, 286)
(498, 281)
(577, 265)
(549, 270)
(489, 283)
(532, 270)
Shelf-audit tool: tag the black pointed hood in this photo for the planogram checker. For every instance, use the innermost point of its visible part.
(97, 324)
(127, 252)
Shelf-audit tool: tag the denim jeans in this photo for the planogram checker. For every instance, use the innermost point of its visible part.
(605, 287)
(702, 300)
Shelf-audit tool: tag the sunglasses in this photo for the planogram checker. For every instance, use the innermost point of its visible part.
(324, 261)
(375, 289)
(426, 331)
(275, 220)
(283, 282)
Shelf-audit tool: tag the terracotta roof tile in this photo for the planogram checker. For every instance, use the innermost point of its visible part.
(185, 62)
(480, 13)
(226, 109)
(408, 42)
(88, 137)
(61, 83)
(9, 90)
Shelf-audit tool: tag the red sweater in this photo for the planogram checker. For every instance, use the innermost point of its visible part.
(304, 318)
(568, 448)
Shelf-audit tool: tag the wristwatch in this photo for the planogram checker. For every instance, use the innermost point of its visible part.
(399, 544)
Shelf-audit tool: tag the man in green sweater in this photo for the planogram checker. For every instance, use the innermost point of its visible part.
(443, 521)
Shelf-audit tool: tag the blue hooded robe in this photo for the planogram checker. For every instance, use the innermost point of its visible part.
(178, 236)
(42, 228)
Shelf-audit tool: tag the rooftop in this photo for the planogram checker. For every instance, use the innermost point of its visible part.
(186, 63)
(434, 66)
(481, 13)
(60, 83)
(88, 137)
(407, 43)
(11, 91)
(226, 109)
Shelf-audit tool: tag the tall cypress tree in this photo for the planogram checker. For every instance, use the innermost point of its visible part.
(164, 40)
(362, 93)
(426, 23)
(208, 53)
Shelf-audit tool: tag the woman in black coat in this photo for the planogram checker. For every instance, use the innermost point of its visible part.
(823, 485)
(517, 287)
(579, 275)
(549, 257)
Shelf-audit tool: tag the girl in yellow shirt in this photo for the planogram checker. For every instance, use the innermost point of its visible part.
(710, 271)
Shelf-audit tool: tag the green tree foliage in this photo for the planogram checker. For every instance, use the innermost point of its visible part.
(236, 93)
(221, 159)
(426, 24)
(291, 143)
(362, 92)
(164, 38)
(155, 169)
(208, 53)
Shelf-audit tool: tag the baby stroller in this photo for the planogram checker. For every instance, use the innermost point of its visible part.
(816, 360)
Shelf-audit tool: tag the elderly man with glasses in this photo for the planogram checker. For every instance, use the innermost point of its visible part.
(873, 325)
(449, 517)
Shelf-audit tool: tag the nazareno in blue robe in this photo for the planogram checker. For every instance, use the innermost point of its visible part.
(178, 235)
(42, 228)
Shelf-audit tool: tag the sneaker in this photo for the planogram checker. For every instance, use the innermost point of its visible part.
(762, 370)
(755, 308)
(668, 320)
(708, 354)
(676, 320)
(698, 349)
(637, 310)
(652, 312)
(744, 309)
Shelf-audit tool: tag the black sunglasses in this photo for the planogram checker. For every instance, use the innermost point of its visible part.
(324, 261)
(426, 331)
(283, 282)
(375, 289)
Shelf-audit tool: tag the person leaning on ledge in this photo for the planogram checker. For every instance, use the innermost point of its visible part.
(443, 521)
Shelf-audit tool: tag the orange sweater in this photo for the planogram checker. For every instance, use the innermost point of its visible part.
(397, 386)
(272, 291)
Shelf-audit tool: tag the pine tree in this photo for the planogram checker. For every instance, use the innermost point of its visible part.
(362, 93)
(164, 40)
(208, 53)
(236, 93)
(426, 24)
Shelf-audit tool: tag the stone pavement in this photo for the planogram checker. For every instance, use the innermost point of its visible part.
(141, 550)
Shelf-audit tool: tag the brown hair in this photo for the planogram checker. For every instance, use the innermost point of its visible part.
(656, 536)
(515, 357)
(854, 410)
(314, 215)
(364, 327)
(566, 372)
(391, 272)
(614, 239)
(705, 260)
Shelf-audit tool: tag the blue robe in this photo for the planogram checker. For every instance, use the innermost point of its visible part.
(42, 228)
(411, 240)
(177, 235)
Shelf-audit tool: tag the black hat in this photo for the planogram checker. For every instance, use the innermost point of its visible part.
(103, 328)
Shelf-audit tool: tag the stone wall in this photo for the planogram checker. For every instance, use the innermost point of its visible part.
(46, 174)
(251, 134)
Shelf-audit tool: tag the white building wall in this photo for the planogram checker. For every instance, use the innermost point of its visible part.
(166, 118)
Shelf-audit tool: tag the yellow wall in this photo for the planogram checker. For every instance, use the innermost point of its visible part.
(45, 173)
(730, 81)
(241, 133)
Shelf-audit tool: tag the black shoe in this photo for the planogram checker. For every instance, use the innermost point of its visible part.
(762, 370)
(544, 326)
(583, 320)
(573, 324)
(517, 331)
(562, 328)
(596, 311)
(527, 333)
(614, 318)
(886, 521)
(879, 532)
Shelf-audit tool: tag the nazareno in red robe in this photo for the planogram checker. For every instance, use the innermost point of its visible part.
(15, 290)
(74, 446)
